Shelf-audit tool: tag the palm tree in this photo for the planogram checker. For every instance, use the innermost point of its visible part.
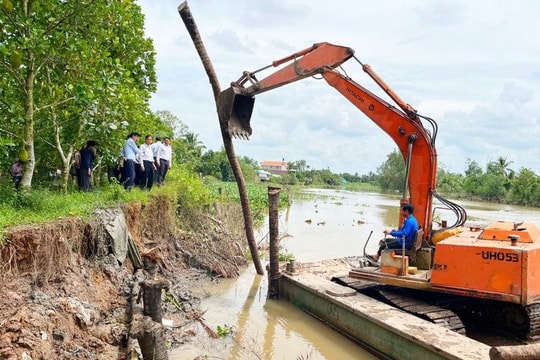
(500, 166)
(194, 145)
(504, 164)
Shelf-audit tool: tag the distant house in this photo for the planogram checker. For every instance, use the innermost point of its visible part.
(275, 167)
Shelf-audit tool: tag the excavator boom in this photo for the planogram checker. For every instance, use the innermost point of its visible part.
(416, 143)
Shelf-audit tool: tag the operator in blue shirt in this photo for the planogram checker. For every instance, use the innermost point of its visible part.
(407, 232)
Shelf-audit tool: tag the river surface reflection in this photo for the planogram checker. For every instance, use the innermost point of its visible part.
(321, 224)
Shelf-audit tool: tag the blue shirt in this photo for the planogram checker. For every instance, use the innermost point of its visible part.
(130, 150)
(410, 227)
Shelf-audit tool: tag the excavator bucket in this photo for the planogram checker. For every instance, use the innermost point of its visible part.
(235, 109)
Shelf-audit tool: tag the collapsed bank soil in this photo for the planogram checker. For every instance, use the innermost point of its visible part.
(65, 295)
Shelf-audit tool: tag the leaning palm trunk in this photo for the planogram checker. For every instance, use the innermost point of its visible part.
(187, 18)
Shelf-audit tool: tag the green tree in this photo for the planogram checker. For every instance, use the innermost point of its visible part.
(173, 122)
(300, 170)
(526, 188)
(298, 166)
(76, 70)
(188, 150)
(187, 147)
(504, 164)
(448, 182)
(473, 168)
(249, 167)
(194, 146)
(212, 163)
(351, 177)
(500, 168)
(216, 164)
(391, 174)
(492, 187)
(473, 178)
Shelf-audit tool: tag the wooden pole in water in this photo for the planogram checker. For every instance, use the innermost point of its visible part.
(518, 352)
(148, 328)
(152, 290)
(273, 223)
(191, 26)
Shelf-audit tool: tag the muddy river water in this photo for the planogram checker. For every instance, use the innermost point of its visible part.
(320, 224)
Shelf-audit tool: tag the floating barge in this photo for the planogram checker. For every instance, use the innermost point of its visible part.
(386, 331)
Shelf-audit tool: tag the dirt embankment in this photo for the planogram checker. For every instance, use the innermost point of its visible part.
(64, 295)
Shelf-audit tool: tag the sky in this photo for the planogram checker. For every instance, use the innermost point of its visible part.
(472, 66)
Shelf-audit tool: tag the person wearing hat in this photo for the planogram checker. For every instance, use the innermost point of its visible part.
(130, 153)
(87, 155)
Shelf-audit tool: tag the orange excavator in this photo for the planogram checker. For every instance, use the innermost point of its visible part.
(454, 275)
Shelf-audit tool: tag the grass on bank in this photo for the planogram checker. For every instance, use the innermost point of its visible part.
(182, 186)
(185, 188)
(42, 205)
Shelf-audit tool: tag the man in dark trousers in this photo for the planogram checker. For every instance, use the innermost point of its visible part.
(147, 161)
(88, 154)
(130, 152)
(164, 160)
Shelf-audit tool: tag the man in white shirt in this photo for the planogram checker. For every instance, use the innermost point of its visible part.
(130, 152)
(155, 149)
(164, 160)
(147, 162)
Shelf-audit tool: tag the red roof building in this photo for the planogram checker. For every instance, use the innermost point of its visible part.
(276, 167)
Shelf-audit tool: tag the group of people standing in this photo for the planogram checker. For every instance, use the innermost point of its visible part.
(140, 166)
(147, 163)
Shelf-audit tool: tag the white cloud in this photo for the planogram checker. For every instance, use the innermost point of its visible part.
(472, 66)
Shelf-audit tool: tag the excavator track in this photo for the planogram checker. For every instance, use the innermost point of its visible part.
(407, 301)
(533, 312)
(511, 320)
(433, 313)
(457, 313)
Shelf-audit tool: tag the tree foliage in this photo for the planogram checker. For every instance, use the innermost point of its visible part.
(391, 173)
(216, 164)
(73, 70)
(525, 188)
(449, 183)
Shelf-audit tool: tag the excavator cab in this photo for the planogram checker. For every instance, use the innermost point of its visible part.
(235, 109)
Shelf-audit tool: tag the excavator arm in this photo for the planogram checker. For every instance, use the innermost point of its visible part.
(235, 104)
(402, 124)
(413, 140)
